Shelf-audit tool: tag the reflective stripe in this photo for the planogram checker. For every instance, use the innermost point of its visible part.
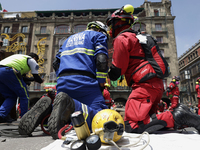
(101, 75)
(85, 111)
(100, 46)
(78, 50)
(22, 86)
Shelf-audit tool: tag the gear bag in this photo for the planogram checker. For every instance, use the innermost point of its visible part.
(152, 54)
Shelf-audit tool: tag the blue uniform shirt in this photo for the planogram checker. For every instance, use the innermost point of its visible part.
(79, 52)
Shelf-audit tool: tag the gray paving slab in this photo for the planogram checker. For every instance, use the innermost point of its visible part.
(11, 140)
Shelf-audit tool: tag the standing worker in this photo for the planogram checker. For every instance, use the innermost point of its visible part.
(173, 92)
(197, 87)
(147, 88)
(12, 85)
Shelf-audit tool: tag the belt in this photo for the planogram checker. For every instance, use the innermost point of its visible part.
(78, 72)
(1, 66)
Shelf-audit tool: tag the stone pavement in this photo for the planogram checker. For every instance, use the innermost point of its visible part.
(11, 140)
(165, 140)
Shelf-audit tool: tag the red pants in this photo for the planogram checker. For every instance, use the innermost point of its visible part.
(142, 103)
(174, 101)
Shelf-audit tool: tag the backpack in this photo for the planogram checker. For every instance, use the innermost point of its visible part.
(152, 54)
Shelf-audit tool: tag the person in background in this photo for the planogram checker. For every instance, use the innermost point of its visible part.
(106, 94)
(128, 59)
(12, 85)
(173, 92)
(197, 87)
(162, 106)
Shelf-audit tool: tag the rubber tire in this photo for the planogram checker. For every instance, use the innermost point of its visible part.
(34, 116)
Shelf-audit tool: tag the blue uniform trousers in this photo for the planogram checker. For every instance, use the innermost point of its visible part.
(85, 92)
(11, 88)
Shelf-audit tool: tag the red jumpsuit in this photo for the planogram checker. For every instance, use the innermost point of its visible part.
(162, 106)
(174, 94)
(108, 99)
(198, 97)
(145, 96)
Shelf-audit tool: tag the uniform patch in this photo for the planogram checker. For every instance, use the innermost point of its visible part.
(36, 67)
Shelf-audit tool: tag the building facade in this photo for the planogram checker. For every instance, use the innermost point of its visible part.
(43, 32)
(189, 68)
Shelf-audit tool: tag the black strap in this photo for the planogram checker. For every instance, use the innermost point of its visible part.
(78, 72)
(137, 57)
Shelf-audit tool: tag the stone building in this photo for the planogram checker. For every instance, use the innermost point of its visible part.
(189, 68)
(43, 32)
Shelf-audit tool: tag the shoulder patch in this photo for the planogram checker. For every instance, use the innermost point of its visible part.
(36, 67)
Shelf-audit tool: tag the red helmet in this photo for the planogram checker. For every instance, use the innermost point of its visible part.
(123, 14)
(198, 79)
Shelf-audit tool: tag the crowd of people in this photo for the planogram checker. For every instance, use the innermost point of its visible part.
(81, 65)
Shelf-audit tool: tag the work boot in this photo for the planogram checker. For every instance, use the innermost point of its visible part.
(7, 119)
(183, 117)
(34, 116)
(63, 107)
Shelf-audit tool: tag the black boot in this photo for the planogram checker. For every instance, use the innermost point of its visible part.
(183, 117)
(63, 107)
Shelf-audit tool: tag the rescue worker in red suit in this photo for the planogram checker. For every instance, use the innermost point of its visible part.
(141, 106)
(106, 94)
(197, 87)
(162, 106)
(173, 92)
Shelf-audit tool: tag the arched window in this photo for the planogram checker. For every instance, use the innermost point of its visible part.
(62, 29)
(136, 27)
(79, 28)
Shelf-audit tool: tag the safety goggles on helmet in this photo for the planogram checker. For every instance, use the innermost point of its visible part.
(98, 25)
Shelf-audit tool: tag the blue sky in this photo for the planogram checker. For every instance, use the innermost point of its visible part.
(186, 23)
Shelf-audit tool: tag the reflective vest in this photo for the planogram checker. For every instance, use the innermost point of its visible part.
(18, 62)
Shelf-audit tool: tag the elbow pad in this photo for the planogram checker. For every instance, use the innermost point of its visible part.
(56, 64)
(114, 73)
(102, 62)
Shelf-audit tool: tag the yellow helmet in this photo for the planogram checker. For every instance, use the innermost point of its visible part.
(111, 122)
(107, 84)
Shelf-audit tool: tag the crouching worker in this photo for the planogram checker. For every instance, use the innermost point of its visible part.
(147, 86)
(12, 84)
(81, 66)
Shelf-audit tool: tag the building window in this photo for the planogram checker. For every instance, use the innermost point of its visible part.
(24, 29)
(162, 52)
(6, 30)
(5, 42)
(158, 27)
(136, 27)
(37, 86)
(43, 30)
(62, 30)
(159, 39)
(156, 12)
(79, 28)
(165, 83)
